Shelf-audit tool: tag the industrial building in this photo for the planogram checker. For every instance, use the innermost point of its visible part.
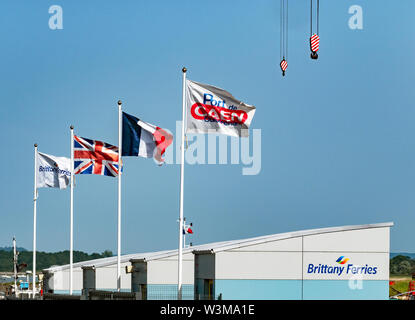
(350, 262)
(56, 278)
(101, 274)
(155, 275)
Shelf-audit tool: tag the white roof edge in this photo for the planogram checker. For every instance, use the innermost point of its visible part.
(124, 258)
(288, 235)
(91, 263)
(171, 253)
(148, 256)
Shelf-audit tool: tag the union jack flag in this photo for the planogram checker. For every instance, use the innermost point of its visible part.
(95, 157)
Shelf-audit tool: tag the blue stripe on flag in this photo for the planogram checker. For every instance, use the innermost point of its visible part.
(108, 172)
(76, 144)
(131, 135)
(85, 171)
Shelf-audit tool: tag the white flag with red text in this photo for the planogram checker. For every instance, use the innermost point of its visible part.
(214, 110)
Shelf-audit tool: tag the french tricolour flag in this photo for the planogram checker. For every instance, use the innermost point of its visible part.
(187, 230)
(142, 139)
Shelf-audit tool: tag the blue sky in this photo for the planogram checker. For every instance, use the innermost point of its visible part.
(337, 133)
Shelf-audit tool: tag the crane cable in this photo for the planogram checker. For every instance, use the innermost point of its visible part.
(314, 38)
(283, 35)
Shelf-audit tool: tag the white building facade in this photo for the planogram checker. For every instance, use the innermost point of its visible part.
(350, 262)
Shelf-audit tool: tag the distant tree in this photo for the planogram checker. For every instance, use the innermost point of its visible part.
(107, 253)
(400, 258)
(404, 267)
(45, 260)
(394, 268)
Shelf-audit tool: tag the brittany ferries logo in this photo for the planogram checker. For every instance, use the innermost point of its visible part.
(341, 260)
(341, 269)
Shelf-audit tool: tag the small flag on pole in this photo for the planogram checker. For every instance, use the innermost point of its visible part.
(52, 172)
(211, 109)
(187, 229)
(95, 157)
(142, 139)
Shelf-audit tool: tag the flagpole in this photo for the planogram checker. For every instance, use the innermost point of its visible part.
(180, 257)
(119, 194)
(34, 226)
(15, 266)
(71, 218)
(184, 233)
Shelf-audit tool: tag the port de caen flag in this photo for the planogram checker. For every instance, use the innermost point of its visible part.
(52, 172)
(214, 110)
(142, 139)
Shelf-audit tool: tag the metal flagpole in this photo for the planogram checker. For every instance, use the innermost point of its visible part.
(119, 193)
(184, 233)
(15, 266)
(34, 225)
(71, 228)
(180, 257)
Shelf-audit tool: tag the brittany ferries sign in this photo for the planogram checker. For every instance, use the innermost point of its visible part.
(341, 268)
(345, 267)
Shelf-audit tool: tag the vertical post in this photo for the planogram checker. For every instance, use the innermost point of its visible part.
(34, 225)
(71, 217)
(180, 256)
(119, 194)
(15, 265)
(184, 233)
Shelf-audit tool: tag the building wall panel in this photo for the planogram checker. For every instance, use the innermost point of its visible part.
(106, 277)
(258, 289)
(166, 271)
(364, 240)
(344, 290)
(59, 282)
(259, 265)
(294, 244)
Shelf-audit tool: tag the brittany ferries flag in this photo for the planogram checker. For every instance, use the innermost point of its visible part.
(214, 110)
(142, 139)
(52, 172)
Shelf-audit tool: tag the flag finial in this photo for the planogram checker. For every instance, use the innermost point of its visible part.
(71, 127)
(184, 69)
(119, 102)
(35, 145)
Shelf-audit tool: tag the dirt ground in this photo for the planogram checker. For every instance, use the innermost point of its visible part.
(398, 278)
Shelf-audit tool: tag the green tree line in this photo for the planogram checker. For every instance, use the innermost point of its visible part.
(45, 260)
